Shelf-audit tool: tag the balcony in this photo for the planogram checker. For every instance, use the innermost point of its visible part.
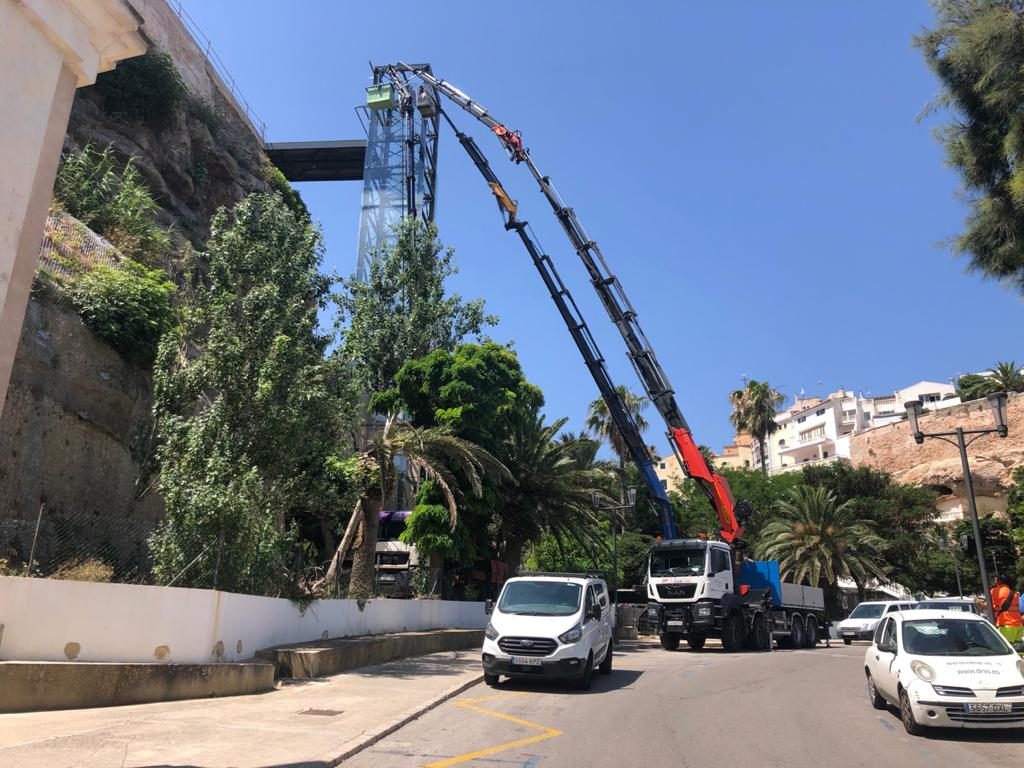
(796, 467)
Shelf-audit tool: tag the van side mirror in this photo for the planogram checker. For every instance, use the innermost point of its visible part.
(489, 606)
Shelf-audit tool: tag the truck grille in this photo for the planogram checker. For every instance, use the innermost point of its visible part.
(527, 646)
(676, 591)
(1016, 716)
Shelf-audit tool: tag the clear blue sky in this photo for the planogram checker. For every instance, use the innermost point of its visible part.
(753, 172)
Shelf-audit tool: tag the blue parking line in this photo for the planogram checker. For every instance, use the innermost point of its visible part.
(886, 724)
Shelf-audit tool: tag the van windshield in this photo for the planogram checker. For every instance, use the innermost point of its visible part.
(867, 611)
(540, 598)
(678, 562)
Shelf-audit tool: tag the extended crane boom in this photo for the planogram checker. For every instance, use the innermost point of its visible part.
(619, 309)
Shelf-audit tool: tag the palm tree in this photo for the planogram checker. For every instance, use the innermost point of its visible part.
(1006, 377)
(753, 411)
(600, 424)
(552, 490)
(435, 454)
(818, 542)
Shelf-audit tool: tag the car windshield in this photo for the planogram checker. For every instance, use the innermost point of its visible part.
(952, 637)
(540, 598)
(867, 611)
(678, 562)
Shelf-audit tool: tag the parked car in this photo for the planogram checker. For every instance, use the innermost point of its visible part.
(862, 621)
(549, 625)
(945, 668)
(947, 604)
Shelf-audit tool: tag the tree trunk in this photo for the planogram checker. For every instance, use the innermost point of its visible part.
(514, 555)
(327, 535)
(339, 554)
(364, 560)
(764, 454)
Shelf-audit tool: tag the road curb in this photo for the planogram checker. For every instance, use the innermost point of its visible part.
(372, 737)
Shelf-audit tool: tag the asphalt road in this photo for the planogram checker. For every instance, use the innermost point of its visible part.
(791, 709)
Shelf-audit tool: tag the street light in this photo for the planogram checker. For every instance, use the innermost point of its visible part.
(997, 402)
(595, 500)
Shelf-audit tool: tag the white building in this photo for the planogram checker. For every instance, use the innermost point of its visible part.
(817, 430)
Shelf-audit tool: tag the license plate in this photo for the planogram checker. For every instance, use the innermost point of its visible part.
(525, 661)
(988, 708)
(673, 623)
(848, 634)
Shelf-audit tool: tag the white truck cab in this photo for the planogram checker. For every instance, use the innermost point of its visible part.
(549, 625)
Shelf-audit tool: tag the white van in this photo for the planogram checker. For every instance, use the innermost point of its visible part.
(549, 625)
(861, 623)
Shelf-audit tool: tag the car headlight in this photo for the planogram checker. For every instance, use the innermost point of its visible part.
(572, 636)
(922, 670)
(491, 633)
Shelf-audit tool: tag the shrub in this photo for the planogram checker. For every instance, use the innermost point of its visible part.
(110, 198)
(84, 570)
(129, 307)
(279, 184)
(147, 88)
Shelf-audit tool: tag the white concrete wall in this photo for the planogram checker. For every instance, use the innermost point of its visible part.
(50, 620)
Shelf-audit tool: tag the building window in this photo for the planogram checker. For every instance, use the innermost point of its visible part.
(825, 456)
(867, 417)
(663, 465)
(813, 434)
(932, 397)
(820, 412)
(849, 415)
(782, 442)
(664, 483)
(801, 420)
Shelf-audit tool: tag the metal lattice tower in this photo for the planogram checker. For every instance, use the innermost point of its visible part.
(400, 169)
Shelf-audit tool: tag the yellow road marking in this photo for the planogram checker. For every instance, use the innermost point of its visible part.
(472, 704)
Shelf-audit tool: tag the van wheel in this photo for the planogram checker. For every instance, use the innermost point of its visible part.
(733, 633)
(583, 684)
(873, 695)
(847, 641)
(696, 642)
(491, 680)
(811, 632)
(669, 641)
(606, 663)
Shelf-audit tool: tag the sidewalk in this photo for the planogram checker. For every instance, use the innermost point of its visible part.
(310, 723)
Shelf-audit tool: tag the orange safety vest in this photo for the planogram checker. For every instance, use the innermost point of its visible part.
(1011, 616)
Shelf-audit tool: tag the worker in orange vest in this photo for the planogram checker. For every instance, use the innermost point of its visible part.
(1006, 605)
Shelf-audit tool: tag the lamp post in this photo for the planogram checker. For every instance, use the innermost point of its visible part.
(595, 500)
(997, 402)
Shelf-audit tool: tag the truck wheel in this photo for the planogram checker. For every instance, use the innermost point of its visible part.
(606, 662)
(733, 633)
(583, 684)
(796, 632)
(696, 642)
(491, 680)
(669, 641)
(759, 640)
(811, 632)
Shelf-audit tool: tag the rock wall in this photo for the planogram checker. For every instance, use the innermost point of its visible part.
(936, 464)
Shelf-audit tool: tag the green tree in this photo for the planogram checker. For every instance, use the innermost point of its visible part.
(974, 386)
(600, 424)
(551, 554)
(431, 453)
(818, 541)
(550, 493)
(1006, 377)
(753, 411)
(1015, 514)
(977, 51)
(248, 410)
(402, 312)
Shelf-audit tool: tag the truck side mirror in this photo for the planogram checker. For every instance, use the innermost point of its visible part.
(489, 606)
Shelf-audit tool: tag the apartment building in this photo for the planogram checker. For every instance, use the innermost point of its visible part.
(817, 430)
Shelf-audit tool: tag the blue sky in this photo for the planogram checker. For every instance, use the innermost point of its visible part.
(752, 171)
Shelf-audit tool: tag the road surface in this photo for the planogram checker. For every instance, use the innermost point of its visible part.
(790, 709)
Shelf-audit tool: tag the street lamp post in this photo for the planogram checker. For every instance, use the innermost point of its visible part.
(997, 402)
(595, 499)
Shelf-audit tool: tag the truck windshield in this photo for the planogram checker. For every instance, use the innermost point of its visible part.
(953, 637)
(540, 598)
(678, 562)
(867, 611)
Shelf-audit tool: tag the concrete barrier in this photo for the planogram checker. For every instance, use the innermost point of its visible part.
(330, 657)
(33, 686)
(50, 620)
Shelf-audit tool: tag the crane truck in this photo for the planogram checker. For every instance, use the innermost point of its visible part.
(696, 588)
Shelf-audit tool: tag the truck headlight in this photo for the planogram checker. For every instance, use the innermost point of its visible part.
(922, 670)
(572, 636)
(491, 633)
(653, 611)
(702, 611)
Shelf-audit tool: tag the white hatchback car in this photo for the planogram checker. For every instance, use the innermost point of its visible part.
(945, 668)
(549, 625)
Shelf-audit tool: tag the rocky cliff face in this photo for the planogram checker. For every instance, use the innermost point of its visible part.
(75, 427)
(937, 465)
